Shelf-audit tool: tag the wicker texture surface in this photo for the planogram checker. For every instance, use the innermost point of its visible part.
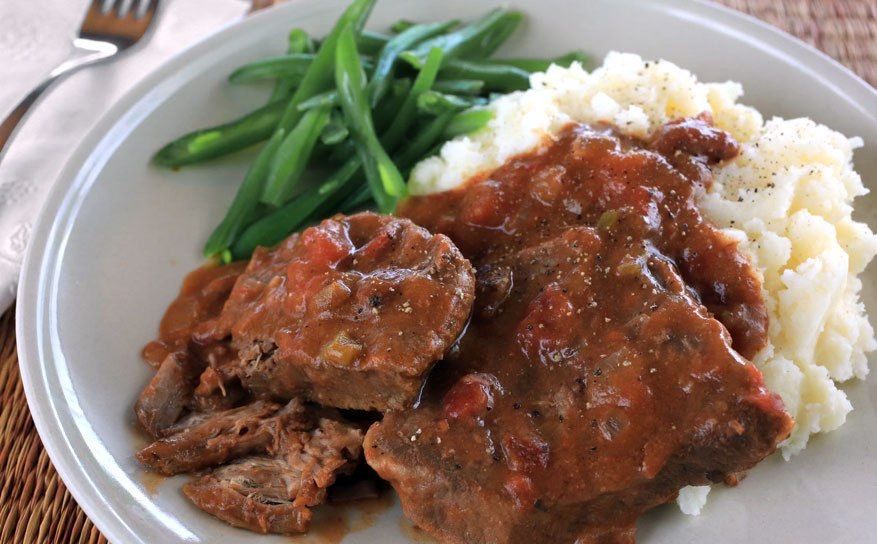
(35, 507)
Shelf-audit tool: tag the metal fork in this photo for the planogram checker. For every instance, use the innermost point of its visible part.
(110, 26)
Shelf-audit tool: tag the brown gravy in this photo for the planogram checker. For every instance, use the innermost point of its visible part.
(335, 522)
(597, 375)
(201, 297)
(603, 367)
(151, 482)
(637, 199)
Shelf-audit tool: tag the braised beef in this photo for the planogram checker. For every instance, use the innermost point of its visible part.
(598, 375)
(250, 493)
(275, 494)
(352, 313)
(206, 440)
(603, 368)
(168, 394)
(270, 464)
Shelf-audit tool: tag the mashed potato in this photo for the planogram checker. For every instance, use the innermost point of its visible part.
(787, 198)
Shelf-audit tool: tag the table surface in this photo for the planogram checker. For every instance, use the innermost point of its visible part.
(35, 507)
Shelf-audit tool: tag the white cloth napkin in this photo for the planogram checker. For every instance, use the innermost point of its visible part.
(35, 36)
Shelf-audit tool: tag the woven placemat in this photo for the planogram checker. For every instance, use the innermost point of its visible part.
(35, 507)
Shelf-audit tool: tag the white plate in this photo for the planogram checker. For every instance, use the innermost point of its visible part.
(117, 236)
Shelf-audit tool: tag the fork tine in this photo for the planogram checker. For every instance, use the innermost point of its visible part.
(144, 7)
(123, 23)
(101, 6)
(139, 8)
(122, 8)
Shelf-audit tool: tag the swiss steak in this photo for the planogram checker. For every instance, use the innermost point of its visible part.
(598, 375)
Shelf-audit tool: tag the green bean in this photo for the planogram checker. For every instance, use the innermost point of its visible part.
(401, 26)
(467, 122)
(291, 67)
(383, 116)
(540, 65)
(426, 138)
(328, 98)
(496, 77)
(410, 155)
(301, 42)
(435, 103)
(407, 113)
(298, 42)
(495, 37)
(356, 199)
(320, 75)
(432, 133)
(340, 177)
(385, 112)
(222, 139)
(386, 181)
(331, 204)
(380, 79)
(243, 132)
(459, 86)
(477, 40)
(335, 131)
(335, 114)
(245, 201)
(277, 225)
(371, 43)
(292, 156)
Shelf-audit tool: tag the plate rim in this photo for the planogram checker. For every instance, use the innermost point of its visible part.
(39, 256)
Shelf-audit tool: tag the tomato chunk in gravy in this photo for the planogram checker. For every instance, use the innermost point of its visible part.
(604, 365)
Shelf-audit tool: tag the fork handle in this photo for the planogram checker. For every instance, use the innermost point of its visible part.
(95, 52)
(15, 117)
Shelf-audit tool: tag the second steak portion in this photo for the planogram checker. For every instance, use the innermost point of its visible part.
(601, 371)
(351, 313)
